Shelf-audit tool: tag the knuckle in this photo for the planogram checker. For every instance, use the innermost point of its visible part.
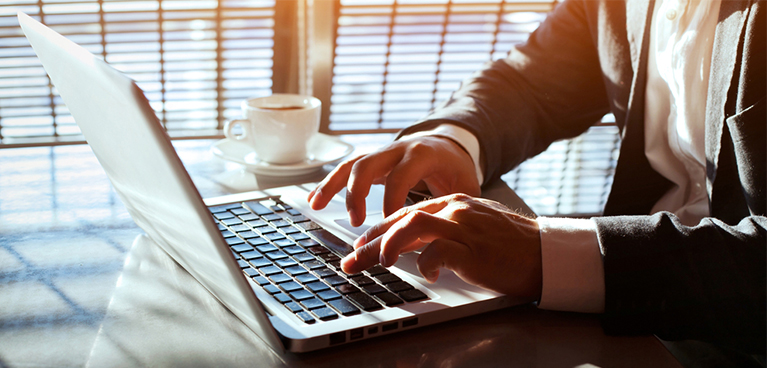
(419, 217)
(460, 197)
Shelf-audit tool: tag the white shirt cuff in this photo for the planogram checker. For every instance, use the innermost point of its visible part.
(573, 273)
(461, 136)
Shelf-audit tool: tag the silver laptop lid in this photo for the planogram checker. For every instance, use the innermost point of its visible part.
(136, 153)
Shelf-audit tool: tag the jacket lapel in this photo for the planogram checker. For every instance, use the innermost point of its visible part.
(732, 17)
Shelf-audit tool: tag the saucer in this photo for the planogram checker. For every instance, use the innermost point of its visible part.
(322, 149)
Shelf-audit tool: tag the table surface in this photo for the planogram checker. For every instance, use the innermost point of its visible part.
(78, 288)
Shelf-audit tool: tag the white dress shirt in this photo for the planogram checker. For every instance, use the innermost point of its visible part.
(681, 42)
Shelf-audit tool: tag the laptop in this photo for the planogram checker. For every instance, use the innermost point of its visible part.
(265, 255)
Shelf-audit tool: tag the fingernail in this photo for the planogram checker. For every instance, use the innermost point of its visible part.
(382, 260)
(431, 277)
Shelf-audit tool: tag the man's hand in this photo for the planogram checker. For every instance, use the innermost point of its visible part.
(482, 241)
(439, 163)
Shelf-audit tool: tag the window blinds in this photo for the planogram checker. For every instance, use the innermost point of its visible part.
(397, 59)
(195, 60)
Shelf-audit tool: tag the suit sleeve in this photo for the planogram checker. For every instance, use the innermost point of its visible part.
(705, 282)
(548, 89)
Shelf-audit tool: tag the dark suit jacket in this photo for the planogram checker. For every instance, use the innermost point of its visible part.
(589, 58)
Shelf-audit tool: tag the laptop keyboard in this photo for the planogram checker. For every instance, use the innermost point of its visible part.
(298, 262)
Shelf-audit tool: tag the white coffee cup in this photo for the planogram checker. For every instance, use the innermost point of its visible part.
(277, 127)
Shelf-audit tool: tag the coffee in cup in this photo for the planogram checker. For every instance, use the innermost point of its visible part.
(277, 127)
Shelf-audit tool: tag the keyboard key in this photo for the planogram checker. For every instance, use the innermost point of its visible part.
(313, 265)
(282, 243)
(241, 248)
(276, 255)
(293, 212)
(301, 294)
(271, 289)
(249, 235)
(293, 307)
(298, 218)
(285, 262)
(399, 286)
(304, 257)
(389, 299)
(329, 257)
(231, 222)
(243, 264)
(347, 289)
(263, 230)
(270, 270)
(248, 217)
(260, 262)
(317, 286)
(250, 272)
(374, 289)
(234, 241)
(324, 272)
(266, 248)
(239, 211)
(272, 217)
(299, 236)
(235, 255)
(306, 243)
(332, 242)
(363, 300)
(291, 286)
(412, 295)
(295, 270)
(362, 280)
(219, 209)
(223, 215)
(279, 278)
(328, 295)
(376, 270)
(282, 298)
(258, 208)
(258, 241)
(344, 307)
(221, 227)
(335, 280)
(309, 225)
(228, 234)
(306, 278)
(250, 255)
(240, 228)
(325, 313)
(293, 250)
(336, 264)
(281, 223)
(312, 303)
(291, 230)
(257, 223)
(276, 208)
(306, 317)
(317, 250)
(261, 280)
(274, 236)
(388, 278)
